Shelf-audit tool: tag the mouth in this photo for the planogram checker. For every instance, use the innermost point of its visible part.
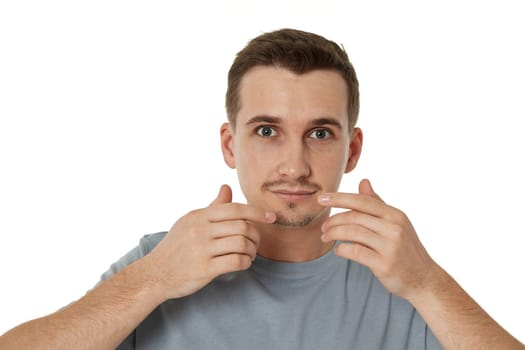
(293, 196)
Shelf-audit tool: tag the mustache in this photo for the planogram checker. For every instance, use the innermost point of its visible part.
(300, 183)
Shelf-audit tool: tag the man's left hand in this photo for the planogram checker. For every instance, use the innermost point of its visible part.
(380, 237)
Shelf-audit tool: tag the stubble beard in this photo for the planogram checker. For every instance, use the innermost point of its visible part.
(291, 219)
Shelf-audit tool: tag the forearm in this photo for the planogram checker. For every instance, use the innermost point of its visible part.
(456, 319)
(100, 320)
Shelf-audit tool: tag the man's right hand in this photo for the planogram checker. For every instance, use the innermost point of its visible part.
(199, 247)
(206, 243)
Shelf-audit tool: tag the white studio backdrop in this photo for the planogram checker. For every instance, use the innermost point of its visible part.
(110, 110)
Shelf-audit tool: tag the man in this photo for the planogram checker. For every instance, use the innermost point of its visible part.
(279, 271)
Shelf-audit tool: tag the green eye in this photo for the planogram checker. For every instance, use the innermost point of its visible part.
(320, 134)
(266, 131)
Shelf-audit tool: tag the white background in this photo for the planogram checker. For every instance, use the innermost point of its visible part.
(109, 117)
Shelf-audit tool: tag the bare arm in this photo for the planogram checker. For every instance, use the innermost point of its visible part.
(383, 239)
(199, 247)
(100, 320)
(456, 319)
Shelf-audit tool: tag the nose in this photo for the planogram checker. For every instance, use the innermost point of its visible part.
(294, 161)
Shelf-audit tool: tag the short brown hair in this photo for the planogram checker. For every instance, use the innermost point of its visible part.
(298, 51)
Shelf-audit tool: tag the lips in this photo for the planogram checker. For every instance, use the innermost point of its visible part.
(298, 193)
(293, 195)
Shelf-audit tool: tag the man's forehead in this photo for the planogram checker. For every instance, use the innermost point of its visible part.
(277, 95)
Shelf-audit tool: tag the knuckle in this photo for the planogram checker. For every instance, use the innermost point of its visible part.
(194, 214)
(341, 233)
(351, 215)
(243, 244)
(255, 237)
(236, 208)
(346, 249)
(356, 251)
(243, 226)
(399, 216)
(239, 261)
(397, 231)
(403, 217)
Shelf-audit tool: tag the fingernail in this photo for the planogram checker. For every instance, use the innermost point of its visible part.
(269, 216)
(324, 198)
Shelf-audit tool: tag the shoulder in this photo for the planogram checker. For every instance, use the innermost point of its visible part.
(150, 241)
(146, 244)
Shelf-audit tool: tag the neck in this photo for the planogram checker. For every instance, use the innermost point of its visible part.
(293, 244)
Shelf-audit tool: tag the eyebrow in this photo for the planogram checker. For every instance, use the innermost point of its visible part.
(264, 119)
(327, 121)
(277, 120)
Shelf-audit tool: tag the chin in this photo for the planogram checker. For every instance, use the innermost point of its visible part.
(289, 218)
(286, 221)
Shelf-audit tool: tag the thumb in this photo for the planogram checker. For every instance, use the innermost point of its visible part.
(224, 196)
(365, 187)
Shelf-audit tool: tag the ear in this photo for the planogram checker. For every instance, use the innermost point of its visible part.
(355, 147)
(227, 144)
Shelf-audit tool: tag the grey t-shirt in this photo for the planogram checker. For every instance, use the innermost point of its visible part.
(327, 303)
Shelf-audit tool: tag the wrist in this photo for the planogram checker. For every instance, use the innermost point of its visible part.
(436, 280)
(144, 276)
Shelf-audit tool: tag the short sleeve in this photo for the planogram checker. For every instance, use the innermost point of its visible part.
(146, 245)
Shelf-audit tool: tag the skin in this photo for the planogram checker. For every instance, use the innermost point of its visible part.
(290, 172)
(305, 118)
(381, 237)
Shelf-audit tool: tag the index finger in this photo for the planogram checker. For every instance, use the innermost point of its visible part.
(238, 211)
(354, 201)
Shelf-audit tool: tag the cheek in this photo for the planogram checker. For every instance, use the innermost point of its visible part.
(252, 167)
(330, 168)
(254, 155)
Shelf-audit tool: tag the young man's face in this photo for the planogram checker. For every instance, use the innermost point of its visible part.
(291, 141)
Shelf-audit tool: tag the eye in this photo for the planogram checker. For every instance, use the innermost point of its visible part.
(320, 134)
(266, 131)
